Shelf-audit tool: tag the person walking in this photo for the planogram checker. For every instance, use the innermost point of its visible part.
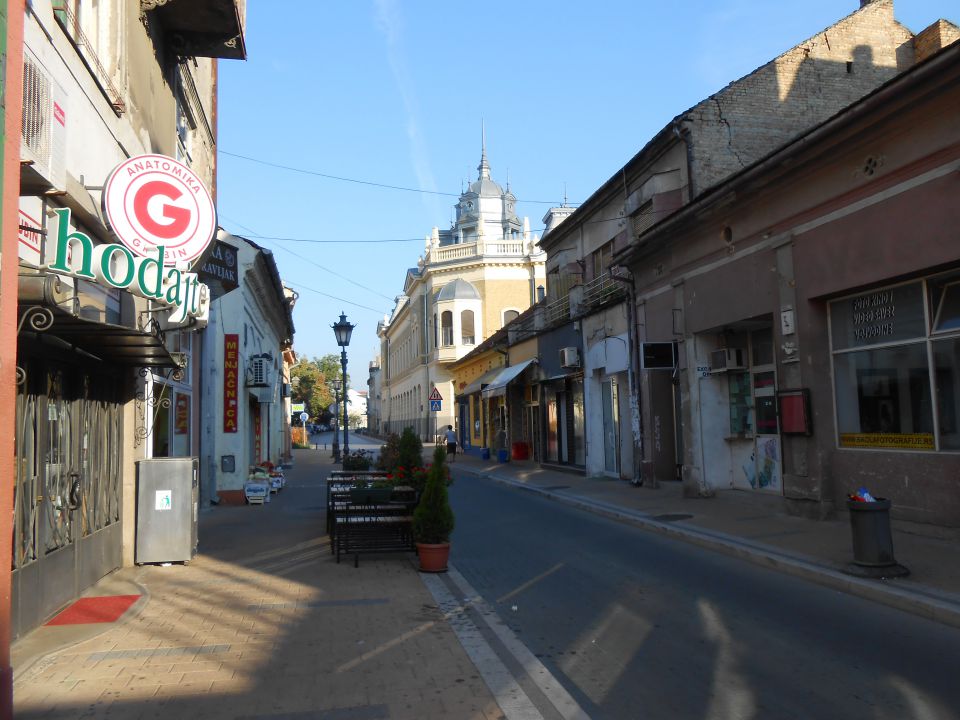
(451, 443)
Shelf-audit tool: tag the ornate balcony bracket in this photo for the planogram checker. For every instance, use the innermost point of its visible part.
(39, 319)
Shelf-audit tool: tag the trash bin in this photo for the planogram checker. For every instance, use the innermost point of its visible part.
(870, 525)
(503, 455)
(485, 453)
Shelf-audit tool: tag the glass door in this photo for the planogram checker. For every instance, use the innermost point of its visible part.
(611, 426)
(767, 446)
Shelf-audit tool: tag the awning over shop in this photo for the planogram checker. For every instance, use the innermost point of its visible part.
(104, 341)
(506, 376)
(480, 383)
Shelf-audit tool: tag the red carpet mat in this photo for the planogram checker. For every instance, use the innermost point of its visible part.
(95, 610)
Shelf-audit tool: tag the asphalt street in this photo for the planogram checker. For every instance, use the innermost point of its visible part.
(636, 625)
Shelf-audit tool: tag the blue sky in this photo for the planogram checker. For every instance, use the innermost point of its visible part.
(384, 92)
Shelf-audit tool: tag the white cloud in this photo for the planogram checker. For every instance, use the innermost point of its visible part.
(390, 22)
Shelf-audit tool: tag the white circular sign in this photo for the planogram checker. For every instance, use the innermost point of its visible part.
(303, 417)
(153, 200)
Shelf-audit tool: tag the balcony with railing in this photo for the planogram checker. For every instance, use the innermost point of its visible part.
(462, 251)
(602, 291)
(557, 311)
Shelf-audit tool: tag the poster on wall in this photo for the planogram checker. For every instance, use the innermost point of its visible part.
(231, 381)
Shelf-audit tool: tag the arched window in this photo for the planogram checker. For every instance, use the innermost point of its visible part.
(509, 315)
(467, 335)
(446, 326)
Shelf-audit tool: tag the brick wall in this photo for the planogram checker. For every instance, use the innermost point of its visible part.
(798, 90)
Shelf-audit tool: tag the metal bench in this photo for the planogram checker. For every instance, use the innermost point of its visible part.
(371, 522)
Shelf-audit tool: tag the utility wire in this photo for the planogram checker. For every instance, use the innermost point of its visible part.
(370, 183)
(318, 241)
(312, 262)
(332, 297)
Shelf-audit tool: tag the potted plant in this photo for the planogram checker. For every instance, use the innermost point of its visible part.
(433, 519)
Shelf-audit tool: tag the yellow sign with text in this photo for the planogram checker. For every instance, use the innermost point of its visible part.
(891, 441)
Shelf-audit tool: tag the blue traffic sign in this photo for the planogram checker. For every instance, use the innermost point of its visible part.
(435, 405)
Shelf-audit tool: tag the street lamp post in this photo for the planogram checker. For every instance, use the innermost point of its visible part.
(335, 384)
(343, 329)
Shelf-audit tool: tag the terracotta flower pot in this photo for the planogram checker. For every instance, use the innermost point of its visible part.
(433, 558)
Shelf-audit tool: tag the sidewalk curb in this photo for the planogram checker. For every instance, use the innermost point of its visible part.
(926, 602)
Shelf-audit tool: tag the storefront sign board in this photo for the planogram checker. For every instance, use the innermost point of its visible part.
(231, 381)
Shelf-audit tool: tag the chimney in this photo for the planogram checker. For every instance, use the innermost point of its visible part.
(933, 39)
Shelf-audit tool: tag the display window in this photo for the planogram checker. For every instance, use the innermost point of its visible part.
(896, 366)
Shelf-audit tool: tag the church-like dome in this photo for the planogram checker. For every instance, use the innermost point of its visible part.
(485, 187)
(459, 289)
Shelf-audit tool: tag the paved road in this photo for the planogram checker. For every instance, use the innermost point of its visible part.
(636, 626)
(358, 441)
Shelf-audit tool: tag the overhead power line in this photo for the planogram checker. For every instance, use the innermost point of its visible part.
(325, 269)
(370, 183)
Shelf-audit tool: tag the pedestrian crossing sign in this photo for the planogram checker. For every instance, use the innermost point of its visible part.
(435, 395)
(434, 406)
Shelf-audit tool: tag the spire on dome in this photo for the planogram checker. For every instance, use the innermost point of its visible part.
(484, 166)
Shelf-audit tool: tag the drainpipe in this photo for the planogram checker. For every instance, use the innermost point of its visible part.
(11, 36)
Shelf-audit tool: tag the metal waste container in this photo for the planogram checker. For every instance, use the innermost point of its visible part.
(168, 502)
(870, 525)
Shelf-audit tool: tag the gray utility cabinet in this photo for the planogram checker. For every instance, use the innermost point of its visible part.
(167, 505)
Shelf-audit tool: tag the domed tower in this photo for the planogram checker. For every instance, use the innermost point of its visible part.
(486, 210)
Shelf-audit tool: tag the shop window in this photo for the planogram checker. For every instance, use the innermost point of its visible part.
(896, 384)
(946, 364)
(741, 419)
(883, 398)
(181, 425)
(161, 420)
(579, 430)
(59, 451)
(945, 304)
(467, 334)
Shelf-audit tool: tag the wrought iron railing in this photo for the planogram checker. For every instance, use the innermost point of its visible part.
(602, 290)
(71, 26)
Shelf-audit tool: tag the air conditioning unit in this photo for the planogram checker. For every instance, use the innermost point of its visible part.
(43, 129)
(257, 372)
(727, 359)
(569, 357)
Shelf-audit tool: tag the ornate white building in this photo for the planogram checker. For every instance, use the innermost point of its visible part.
(471, 280)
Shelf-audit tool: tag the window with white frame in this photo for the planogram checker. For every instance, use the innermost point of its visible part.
(896, 365)
(446, 327)
(467, 333)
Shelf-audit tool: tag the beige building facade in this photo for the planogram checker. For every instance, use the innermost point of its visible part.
(470, 281)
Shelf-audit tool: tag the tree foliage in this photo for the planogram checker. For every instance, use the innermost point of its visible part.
(310, 380)
(410, 449)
